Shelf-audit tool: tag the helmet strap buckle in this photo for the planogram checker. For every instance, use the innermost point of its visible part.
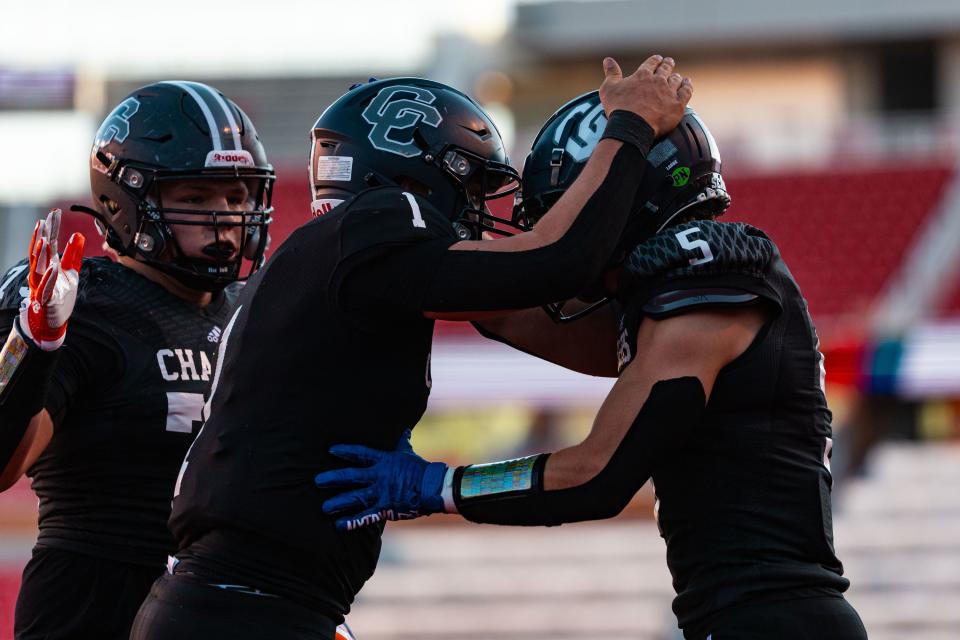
(556, 161)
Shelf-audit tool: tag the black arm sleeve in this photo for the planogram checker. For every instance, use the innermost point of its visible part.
(88, 356)
(668, 417)
(22, 395)
(488, 280)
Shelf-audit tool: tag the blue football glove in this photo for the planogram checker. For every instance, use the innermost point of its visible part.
(394, 485)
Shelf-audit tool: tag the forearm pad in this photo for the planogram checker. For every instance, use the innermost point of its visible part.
(492, 280)
(25, 373)
(668, 417)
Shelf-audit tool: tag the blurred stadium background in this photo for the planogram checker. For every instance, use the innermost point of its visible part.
(839, 124)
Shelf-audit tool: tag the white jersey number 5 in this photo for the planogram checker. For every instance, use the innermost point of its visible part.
(706, 255)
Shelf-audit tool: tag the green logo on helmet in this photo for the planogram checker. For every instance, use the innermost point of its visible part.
(680, 175)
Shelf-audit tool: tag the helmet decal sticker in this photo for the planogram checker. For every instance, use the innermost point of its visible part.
(336, 168)
(117, 125)
(582, 143)
(323, 206)
(680, 175)
(239, 158)
(662, 151)
(393, 109)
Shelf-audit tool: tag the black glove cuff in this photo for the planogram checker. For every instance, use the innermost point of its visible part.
(631, 129)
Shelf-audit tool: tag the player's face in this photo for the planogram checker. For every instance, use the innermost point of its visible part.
(201, 239)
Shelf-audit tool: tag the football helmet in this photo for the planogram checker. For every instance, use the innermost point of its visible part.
(683, 172)
(421, 135)
(171, 131)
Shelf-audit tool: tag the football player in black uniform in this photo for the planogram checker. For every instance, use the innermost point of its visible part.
(331, 340)
(719, 399)
(99, 415)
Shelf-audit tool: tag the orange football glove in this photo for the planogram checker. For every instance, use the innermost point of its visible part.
(53, 284)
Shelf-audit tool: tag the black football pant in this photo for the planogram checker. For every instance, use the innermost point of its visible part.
(182, 607)
(66, 595)
(819, 618)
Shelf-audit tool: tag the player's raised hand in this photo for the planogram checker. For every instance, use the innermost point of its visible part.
(53, 283)
(386, 485)
(653, 91)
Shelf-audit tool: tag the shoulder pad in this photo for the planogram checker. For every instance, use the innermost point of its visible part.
(232, 291)
(670, 303)
(101, 275)
(13, 286)
(702, 247)
(390, 215)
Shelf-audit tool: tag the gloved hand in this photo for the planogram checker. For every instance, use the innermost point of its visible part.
(53, 283)
(393, 485)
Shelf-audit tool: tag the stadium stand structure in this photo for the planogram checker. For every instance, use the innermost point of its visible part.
(898, 533)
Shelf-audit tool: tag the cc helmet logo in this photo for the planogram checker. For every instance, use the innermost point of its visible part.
(400, 107)
(581, 143)
(117, 125)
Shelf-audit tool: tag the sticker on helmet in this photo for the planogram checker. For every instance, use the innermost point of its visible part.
(321, 206)
(229, 159)
(400, 107)
(117, 125)
(661, 151)
(335, 168)
(581, 143)
(680, 175)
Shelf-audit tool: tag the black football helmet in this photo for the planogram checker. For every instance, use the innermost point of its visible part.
(416, 133)
(683, 172)
(171, 131)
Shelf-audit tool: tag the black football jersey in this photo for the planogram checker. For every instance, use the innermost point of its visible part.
(125, 398)
(311, 359)
(744, 505)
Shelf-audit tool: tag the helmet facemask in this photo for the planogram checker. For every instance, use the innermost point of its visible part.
(235, 240)
(480, 181)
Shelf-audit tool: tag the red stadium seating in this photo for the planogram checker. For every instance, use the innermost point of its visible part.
(951, 304)
(291, 203)
(9, 585)
(843, 233)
